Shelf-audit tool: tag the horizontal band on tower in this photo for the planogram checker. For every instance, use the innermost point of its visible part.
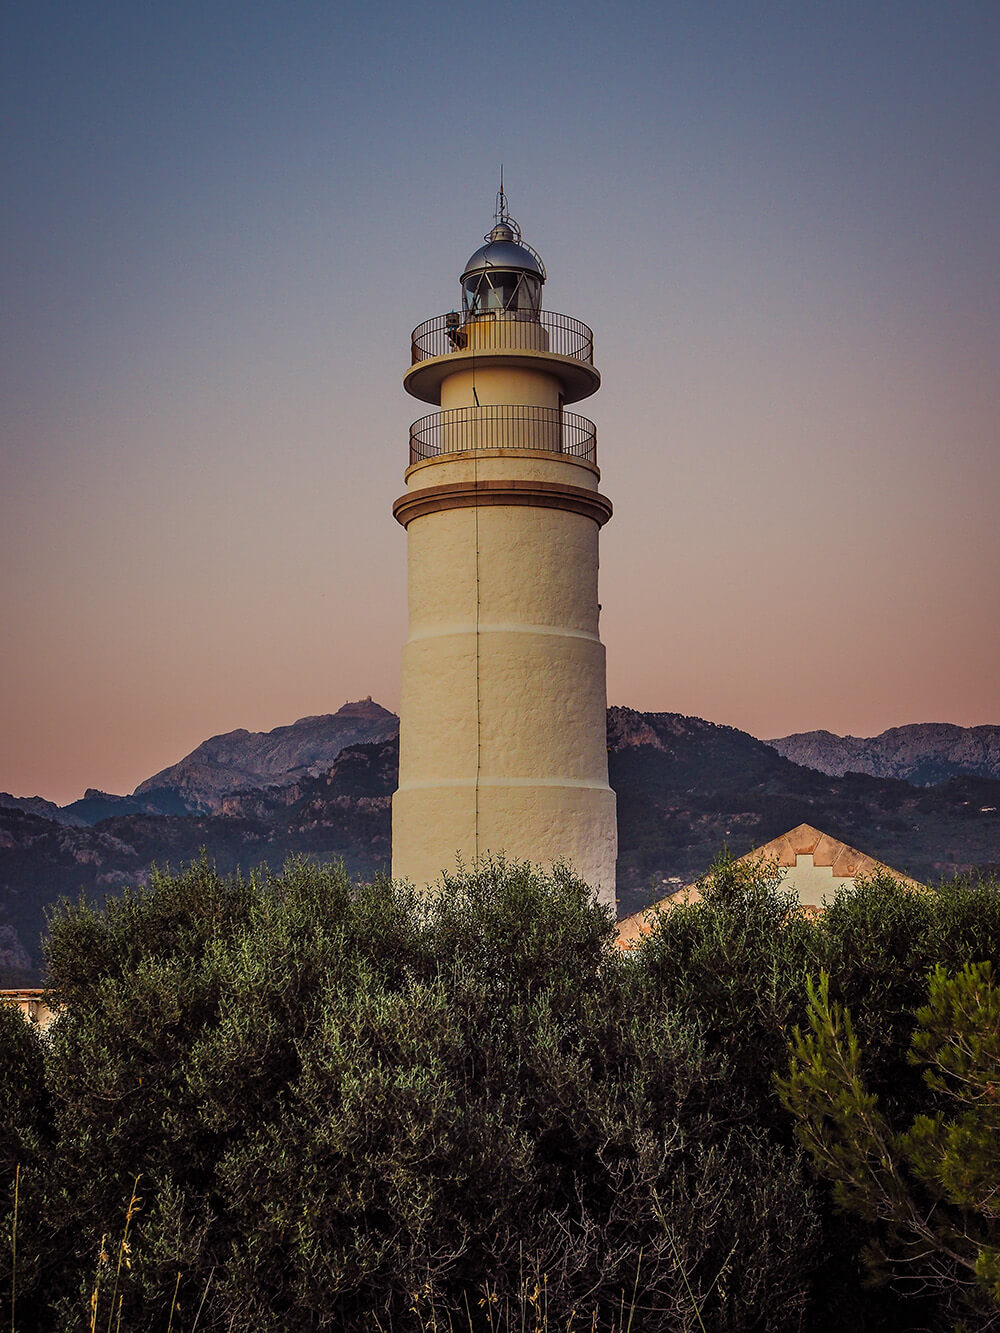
(546, 631)
(472, 494)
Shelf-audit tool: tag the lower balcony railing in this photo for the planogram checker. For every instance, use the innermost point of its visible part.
(503, 426)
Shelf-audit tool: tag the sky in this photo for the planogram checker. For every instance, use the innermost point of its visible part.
(221, 221)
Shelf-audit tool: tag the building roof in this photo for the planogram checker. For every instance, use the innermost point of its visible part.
(802, 850)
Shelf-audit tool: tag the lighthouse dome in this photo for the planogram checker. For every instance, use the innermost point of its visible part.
(503, 274)
(503, 251)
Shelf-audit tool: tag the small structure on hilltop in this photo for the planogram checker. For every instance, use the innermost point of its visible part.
(503, 734)
(816, 867)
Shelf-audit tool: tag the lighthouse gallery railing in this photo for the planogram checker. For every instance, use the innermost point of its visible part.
(503, 426)
(493, 330)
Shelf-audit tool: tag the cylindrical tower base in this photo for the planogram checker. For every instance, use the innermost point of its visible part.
(541, 824)
(503, 743)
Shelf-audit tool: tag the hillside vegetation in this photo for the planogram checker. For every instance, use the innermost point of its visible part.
(286, 1102)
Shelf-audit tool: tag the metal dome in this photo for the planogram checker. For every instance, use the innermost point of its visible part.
(506, 253)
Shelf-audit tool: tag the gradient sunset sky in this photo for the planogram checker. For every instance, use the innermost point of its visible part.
(221, 222)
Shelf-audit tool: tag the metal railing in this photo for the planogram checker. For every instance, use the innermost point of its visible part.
(503, 426)
(537, 330)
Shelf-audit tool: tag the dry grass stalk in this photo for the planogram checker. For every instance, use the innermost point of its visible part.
(13, 1248)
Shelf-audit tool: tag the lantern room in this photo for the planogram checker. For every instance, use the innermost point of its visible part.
(505, 274)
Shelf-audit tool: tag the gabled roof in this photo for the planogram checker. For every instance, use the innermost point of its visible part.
(844, 861)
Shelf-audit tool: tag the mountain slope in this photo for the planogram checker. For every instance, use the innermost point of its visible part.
(342, 814)
(38, 805)
(924, 753)
(241, 760)
(686, 788)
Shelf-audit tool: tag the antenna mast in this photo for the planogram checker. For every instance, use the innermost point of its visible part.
(500, 214)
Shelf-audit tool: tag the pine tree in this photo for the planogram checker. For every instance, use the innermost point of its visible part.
(931, 1189)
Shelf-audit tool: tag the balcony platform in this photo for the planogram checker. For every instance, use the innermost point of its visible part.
(579, 378)
(541, 340)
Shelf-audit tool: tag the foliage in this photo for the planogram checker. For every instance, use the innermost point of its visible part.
(290, 1101)
(935, 1184)
(738, 963)
(309, 1104)
(735, 962)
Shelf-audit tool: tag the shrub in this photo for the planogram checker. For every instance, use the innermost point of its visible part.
(351, 1107)
(289, 1101)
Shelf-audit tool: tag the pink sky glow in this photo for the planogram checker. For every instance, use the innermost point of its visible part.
(781, 228)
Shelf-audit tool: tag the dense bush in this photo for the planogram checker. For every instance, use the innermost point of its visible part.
(290, 1102)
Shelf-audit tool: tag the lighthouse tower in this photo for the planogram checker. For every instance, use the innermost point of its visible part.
(502, 744)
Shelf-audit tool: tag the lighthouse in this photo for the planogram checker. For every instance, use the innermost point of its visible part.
(502, 746)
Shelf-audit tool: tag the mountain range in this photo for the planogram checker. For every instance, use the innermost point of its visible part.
(923, 754)
(322, 788)
(235, 761)
(249, 760)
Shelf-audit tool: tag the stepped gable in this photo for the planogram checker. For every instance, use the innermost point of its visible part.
(816, 865)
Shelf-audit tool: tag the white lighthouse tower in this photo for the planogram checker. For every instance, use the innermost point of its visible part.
(502, 718)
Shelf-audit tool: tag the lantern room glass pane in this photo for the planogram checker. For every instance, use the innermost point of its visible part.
(502, 289)
(530, 293)
(476, 293)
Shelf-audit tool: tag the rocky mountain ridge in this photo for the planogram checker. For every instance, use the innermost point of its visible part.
(240, 771)
(229, 772)
(246, 760)
(37, 805)
(922, 753)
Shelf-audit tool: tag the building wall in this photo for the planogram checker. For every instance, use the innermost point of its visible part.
(31, 1005)
(815, 885)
